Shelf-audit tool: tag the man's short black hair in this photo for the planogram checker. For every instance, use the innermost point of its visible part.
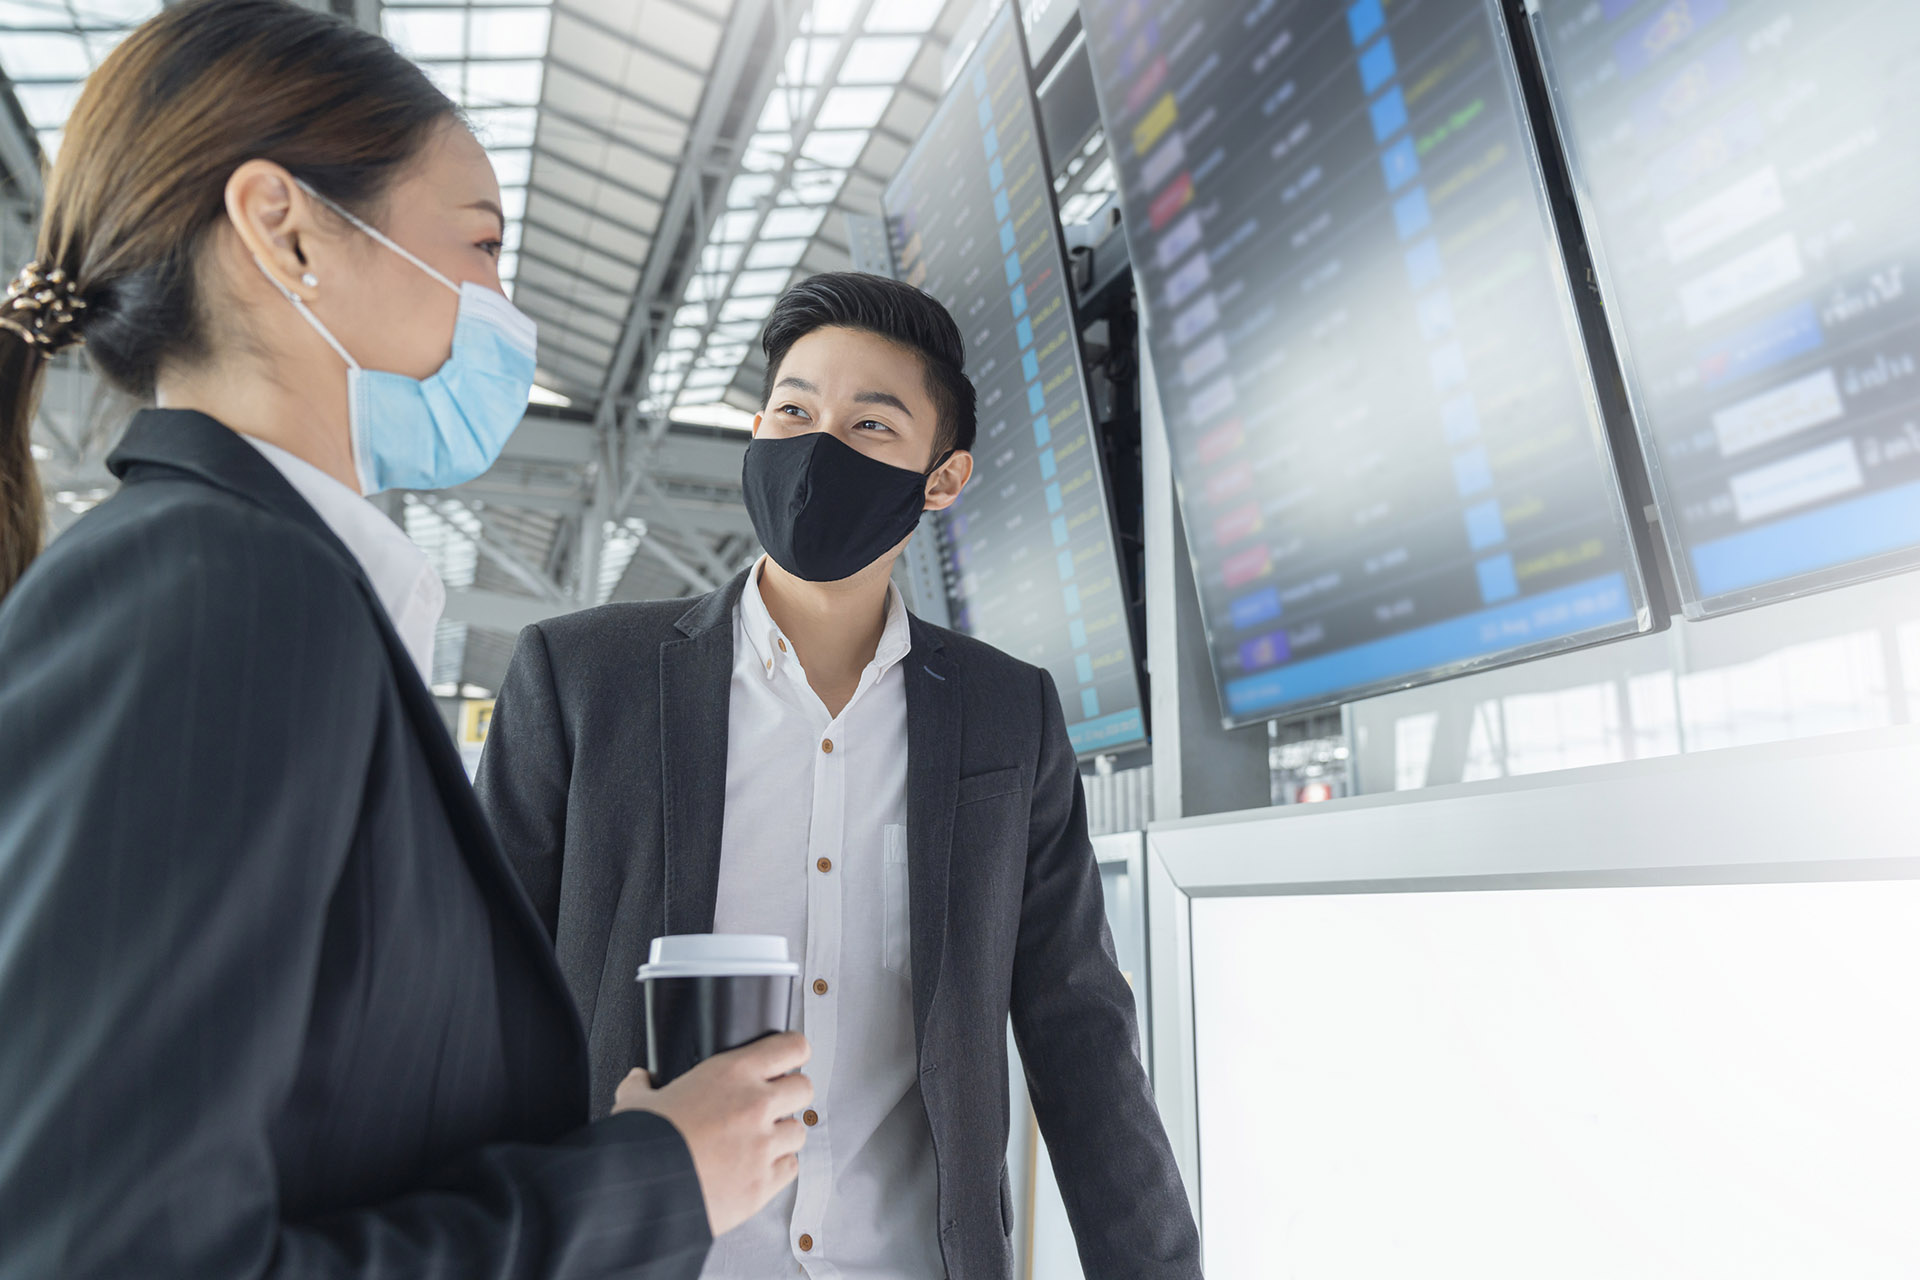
(888, 309)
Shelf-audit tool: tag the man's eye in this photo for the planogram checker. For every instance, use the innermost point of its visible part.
(870, 424)
(793, 409)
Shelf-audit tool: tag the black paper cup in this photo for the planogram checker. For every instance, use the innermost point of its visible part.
(707, 993)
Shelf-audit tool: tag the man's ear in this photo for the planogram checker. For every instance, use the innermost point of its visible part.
(944, 486)
(756, 425)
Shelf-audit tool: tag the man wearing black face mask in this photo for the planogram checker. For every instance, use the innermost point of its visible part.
(795, 754)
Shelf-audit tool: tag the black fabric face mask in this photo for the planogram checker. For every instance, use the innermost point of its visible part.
(823, 510)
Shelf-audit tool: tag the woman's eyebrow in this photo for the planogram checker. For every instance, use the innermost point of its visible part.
(488, 206)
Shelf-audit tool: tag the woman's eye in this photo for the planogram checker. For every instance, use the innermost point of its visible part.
(492, 248)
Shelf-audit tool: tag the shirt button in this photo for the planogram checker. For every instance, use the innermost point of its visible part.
(825, 864)
(819, 986)
(782, 644)
(826, 745)
(811, 1117)
(806, 1244)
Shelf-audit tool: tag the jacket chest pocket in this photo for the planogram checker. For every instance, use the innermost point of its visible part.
(895, 953)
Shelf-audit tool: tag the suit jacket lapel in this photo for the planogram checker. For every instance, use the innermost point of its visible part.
(199, 445)
(696, 679)
(933, 784)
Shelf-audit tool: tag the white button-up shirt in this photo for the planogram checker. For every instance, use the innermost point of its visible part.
(814, 847)
(400, 572)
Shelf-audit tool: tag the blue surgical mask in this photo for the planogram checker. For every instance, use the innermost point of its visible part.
(438, 432)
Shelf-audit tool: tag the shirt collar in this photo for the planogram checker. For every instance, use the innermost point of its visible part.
(401, 574)
(771, 649)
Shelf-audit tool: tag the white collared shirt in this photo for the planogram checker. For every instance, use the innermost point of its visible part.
(814, 847)
(400, 572)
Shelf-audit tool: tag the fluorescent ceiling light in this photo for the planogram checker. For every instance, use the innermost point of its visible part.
(712, 415)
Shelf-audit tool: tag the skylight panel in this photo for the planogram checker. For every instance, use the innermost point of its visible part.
(508, 33)
(853, 107)
(47, 105)
(427, 35)
(776, 253)
(511, 167)
(905, 16)
(44, 55)
(505, 126)
(836, 148)
(879, 60)
(787, 223)
(503, 84)
(751, 284)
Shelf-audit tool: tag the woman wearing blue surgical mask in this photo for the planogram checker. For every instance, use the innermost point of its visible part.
(271, 1001)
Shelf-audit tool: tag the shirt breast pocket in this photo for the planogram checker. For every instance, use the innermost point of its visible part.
(895, 952)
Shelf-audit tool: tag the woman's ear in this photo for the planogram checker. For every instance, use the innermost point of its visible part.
(948, 479)
(275, 222)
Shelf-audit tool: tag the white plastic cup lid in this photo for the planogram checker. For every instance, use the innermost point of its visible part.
(718, 955)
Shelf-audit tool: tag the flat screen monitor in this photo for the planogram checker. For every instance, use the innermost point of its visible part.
(1388, 446)
(1032, 566)
(1747, 177)
(1580, 1083)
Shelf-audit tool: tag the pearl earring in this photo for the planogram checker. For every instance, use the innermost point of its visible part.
(310, 280)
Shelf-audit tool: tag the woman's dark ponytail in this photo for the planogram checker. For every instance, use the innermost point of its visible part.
(22, 516)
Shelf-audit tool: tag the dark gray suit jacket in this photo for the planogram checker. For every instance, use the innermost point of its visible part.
(272, 1003)
(605, 775)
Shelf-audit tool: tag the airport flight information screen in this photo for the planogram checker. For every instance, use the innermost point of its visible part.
(1029, 549)
(1748, 177)
(1390, 459)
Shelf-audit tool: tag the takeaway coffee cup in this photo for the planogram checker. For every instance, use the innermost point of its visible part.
(707, 993)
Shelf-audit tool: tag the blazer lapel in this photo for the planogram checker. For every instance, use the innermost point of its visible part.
(201, 446)
(933, 784)
(696, 680)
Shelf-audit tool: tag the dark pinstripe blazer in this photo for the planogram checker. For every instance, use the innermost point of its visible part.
(605, 774)
(271, 1001)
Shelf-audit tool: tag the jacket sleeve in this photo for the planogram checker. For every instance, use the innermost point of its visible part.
(186, 720)
(525, 772)
(1073, 1018)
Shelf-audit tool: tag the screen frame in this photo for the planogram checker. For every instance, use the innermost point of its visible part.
(1136, 644)
(1737, 815)
(1647, 613)
(1693, 604)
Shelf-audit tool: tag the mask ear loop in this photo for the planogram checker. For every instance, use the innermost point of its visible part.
(378, 235)
(300, 305)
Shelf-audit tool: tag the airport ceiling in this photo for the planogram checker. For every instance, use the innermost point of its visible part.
(668, 167)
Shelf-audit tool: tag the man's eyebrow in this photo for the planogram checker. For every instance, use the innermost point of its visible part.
(881, 397)
(801, 383)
